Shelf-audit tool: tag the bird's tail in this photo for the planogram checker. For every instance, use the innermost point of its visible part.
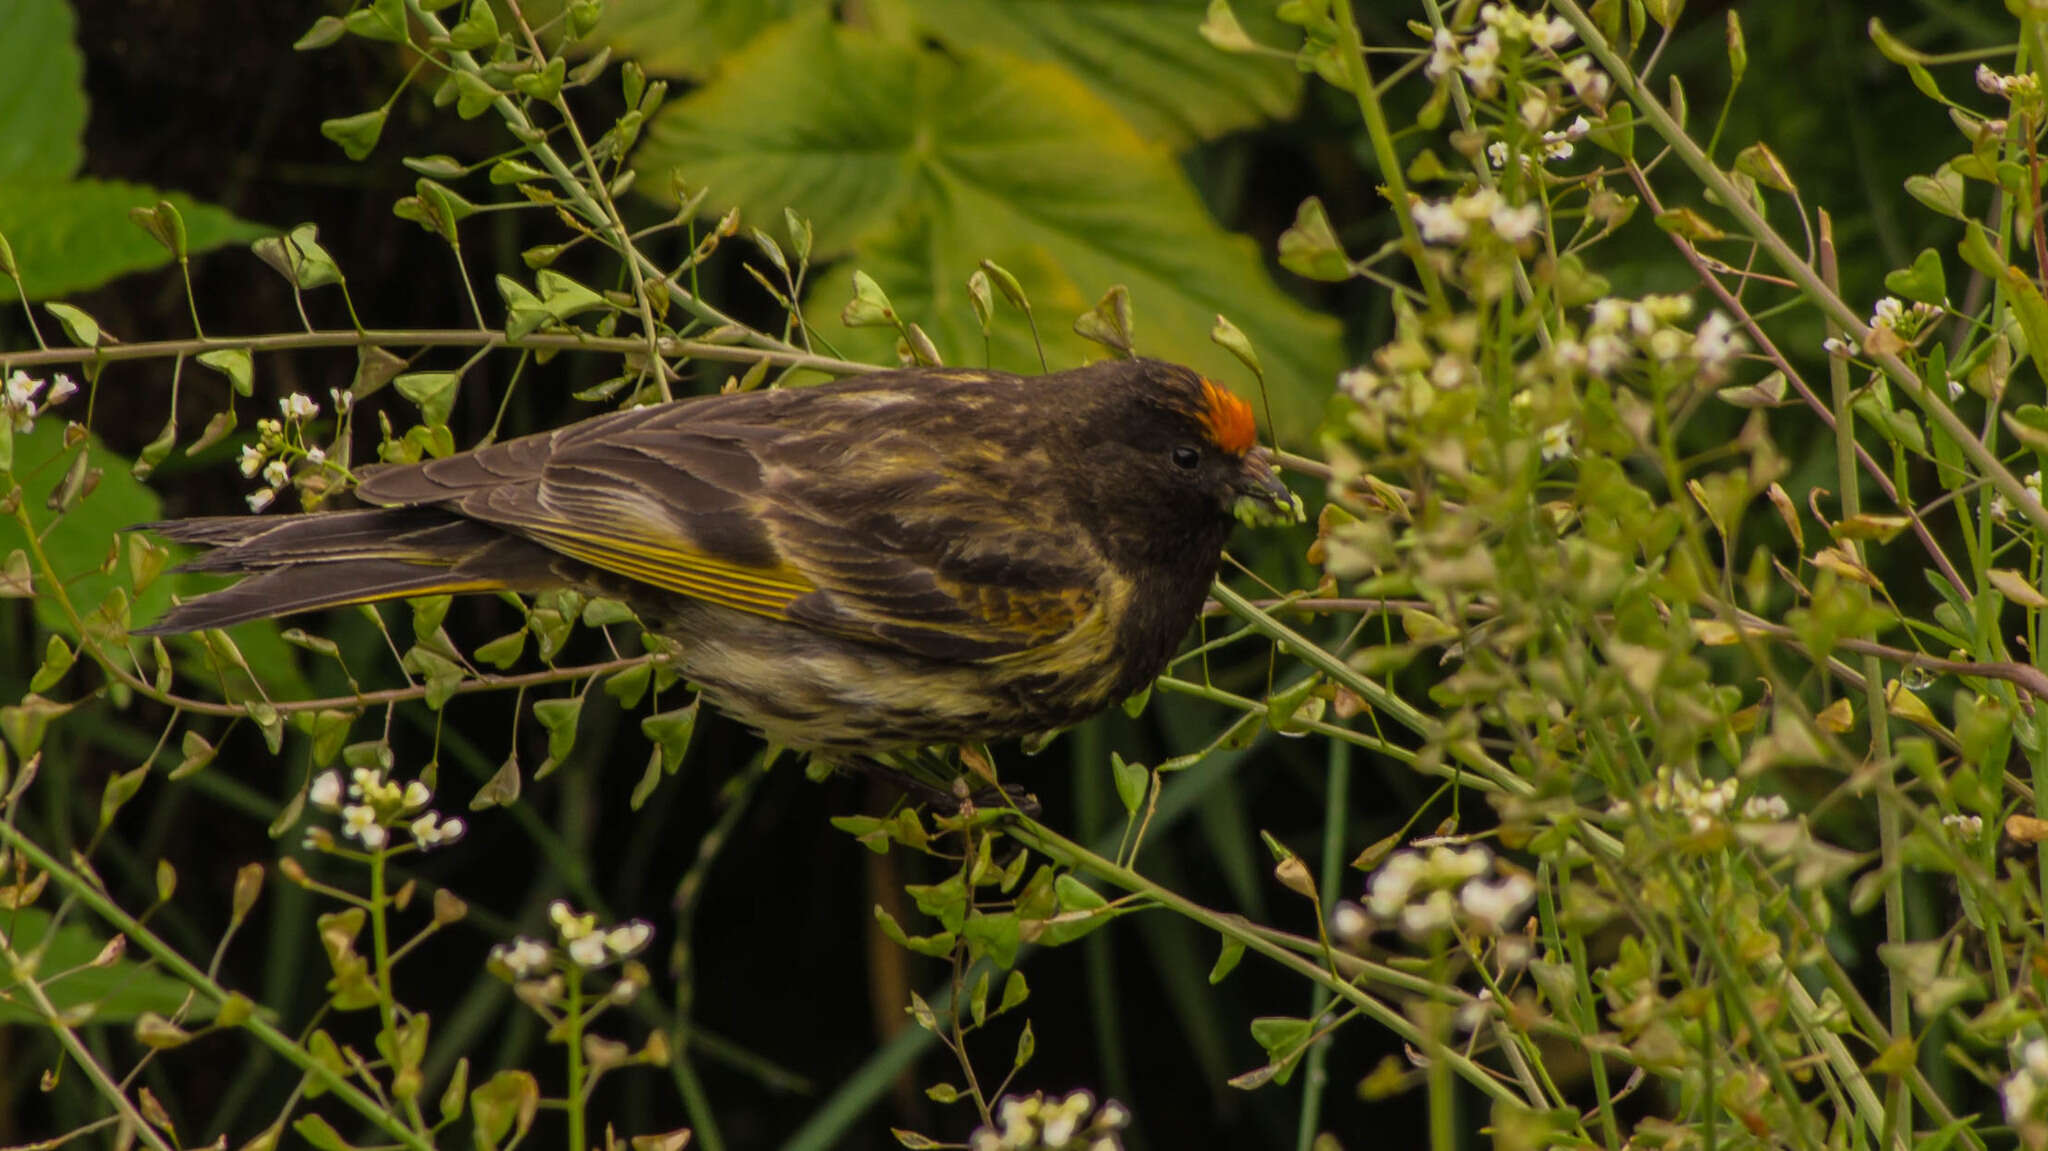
(332, 559)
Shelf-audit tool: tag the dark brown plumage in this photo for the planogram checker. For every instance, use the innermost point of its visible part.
(913, 557)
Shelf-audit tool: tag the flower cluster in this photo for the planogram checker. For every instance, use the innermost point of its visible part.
(22, 398)
(580, 939)
(279, 441)
(1426, 893)
(2024, 1092)
(1702, 804)
(1478, 59)
(1035, 1123)
(1452, 221)
(2000, 510)
(2020, 87)
(1619, 329)
(372, 805)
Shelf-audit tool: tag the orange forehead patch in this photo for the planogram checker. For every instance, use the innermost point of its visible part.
(1229, 419)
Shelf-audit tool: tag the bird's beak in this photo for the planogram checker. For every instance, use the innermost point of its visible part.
(1262, 500)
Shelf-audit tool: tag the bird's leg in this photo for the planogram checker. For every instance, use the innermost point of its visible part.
(922, 780)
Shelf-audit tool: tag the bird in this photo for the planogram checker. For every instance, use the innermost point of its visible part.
(909, 558)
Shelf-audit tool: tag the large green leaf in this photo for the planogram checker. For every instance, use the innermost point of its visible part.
(689, 37)
(1145, 56)
(69, 235)
(117, 992)
(920, 163)
(42, 101)
(76, 235)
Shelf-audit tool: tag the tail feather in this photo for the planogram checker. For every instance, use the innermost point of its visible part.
(333, 559)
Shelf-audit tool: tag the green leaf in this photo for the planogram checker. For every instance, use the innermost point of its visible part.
(1226, 960)
(671, 731)
(80, 326)
(1310, 247)
(689, 38)
(921, 164)
(1150, 61)
(434, 392)
(1131, 780)
(356, 134)
(504, 1105)
(72, 236)
(42, 104)
(320, 1134)
(117, 992)
(234, 363)
(1924, 281)
(559, 717)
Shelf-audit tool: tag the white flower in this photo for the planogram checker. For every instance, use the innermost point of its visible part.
(316, 456)
(20, 390)
(570, 925)
(1887, 312)
(1991, 83)
(1451, 372)
(1497, 154)
(1536, 110)
(360, 820)
(627, 938)
(1433, 913)
(1443, 55)
(1766, 809)
(1553, 33)
(298, 406)
(2019, 1093)
(1439, 222)
(326, 791)
(1838, 346)
(1955, 389)
(1349, 923)
(276, 474)
(1966, 827)
(1516, 223)
(1667, 344)
(525, 958)
(1716, 343)
(1359, 383)
(1610, 314)
(1557, 442)
(252, 460)
(587, 950)
(1482, 60)
(1490, 905)
(1389, 887)
(1605, 352)
(430, 830)
(1588, 83)
(62, 390)
(260, 499)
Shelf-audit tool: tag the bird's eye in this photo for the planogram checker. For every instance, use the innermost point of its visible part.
(1187, 457)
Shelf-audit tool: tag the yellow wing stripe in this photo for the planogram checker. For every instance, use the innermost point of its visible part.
(782, 579)
(767, 597)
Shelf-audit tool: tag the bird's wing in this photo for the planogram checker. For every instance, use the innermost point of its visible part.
(833, 516)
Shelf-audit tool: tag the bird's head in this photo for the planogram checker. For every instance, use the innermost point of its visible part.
(1167, 441)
